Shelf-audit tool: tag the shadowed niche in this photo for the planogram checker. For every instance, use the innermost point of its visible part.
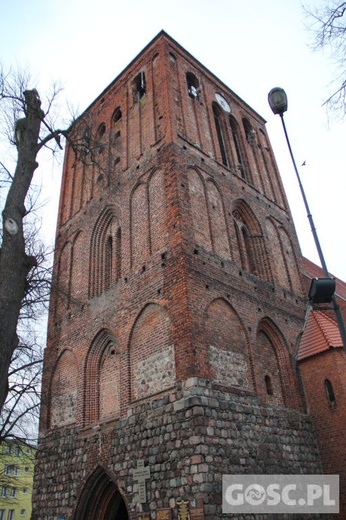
(100, 499)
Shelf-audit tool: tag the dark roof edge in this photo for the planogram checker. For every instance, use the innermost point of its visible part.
(166, 35)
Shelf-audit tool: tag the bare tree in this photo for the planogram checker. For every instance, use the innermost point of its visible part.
(328, 25)
(20, 412)
(24, 279)
(29, 128)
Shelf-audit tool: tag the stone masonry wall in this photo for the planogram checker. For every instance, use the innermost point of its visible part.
(189, 438)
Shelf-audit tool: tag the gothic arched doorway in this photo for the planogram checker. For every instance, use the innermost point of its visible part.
(101, 499)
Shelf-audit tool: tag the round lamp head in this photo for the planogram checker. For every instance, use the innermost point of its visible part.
(277, 100)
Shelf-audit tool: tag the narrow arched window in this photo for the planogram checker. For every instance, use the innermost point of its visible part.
(100, 135)
(250, 133)
(139, 86)
(220, 134)
(192, 85)
(237, 146)
(269, 386)
(117, 115)
(330, 392)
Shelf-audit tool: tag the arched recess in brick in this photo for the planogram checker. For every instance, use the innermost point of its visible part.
(116, 139)
(283, 258)
(67, 187)
(253, 255)
(102, 379)
(277, 257)
(139, 217)
(290, 260)
(273, 186)
(152, 364)
(275, 379)
(105, 252)
(229, 356)
(100, 144)
(63, 391)
(199, 209)
(62, 285)
(218, 224)
(159, 95)
(157, 211)
(221, 133)
(101, 498)
(79, 270)
(238, 150)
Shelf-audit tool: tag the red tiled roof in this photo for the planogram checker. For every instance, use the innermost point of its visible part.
(321, 333)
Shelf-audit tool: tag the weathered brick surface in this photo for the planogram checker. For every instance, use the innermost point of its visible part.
(329, 418)
(177, 304)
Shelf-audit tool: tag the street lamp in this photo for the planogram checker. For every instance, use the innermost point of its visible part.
(322, 289)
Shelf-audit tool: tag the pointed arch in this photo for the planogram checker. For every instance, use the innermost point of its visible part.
(281, 276)
(221, 133)
(283, 257)
(276, 382)
(290, 260)
(157, 211)
(63, 390)
(238, 148)
(78, 267)
(139, 219)
(253, 255)
(268, 368)
(218, 225)
(101, 498)
(105, 252)
(152, 364)
(116, 139)
(199, 209)
(229, 355)
(102, 379)
(63, 286)
(274, 188)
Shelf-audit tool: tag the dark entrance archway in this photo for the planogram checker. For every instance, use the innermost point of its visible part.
(101, 499)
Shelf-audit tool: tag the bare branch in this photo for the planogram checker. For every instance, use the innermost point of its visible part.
(328, 27)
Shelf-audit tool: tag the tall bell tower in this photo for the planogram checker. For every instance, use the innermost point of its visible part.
(176, 305)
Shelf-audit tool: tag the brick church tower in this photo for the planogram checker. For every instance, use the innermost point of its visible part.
(177, 304)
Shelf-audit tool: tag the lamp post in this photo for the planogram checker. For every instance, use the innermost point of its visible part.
(277, 99)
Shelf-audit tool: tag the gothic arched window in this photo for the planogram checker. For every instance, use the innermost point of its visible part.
(100, 135)
(105, 253)
(253, 254)
(117, 115)
(192, 85)
(237, 146)
(139, 86)
(220, 133)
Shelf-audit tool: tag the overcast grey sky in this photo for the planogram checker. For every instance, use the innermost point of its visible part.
(250, 45)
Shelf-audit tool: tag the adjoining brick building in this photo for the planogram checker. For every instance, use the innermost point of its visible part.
(178, 303)
(322, 365)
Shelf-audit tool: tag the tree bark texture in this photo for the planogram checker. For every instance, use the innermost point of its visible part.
(15, 264)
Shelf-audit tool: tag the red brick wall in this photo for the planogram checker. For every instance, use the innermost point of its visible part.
(204, 282)
(156, 199)
(329, 420)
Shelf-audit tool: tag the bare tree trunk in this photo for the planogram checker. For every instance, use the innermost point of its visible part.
(15, 264)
